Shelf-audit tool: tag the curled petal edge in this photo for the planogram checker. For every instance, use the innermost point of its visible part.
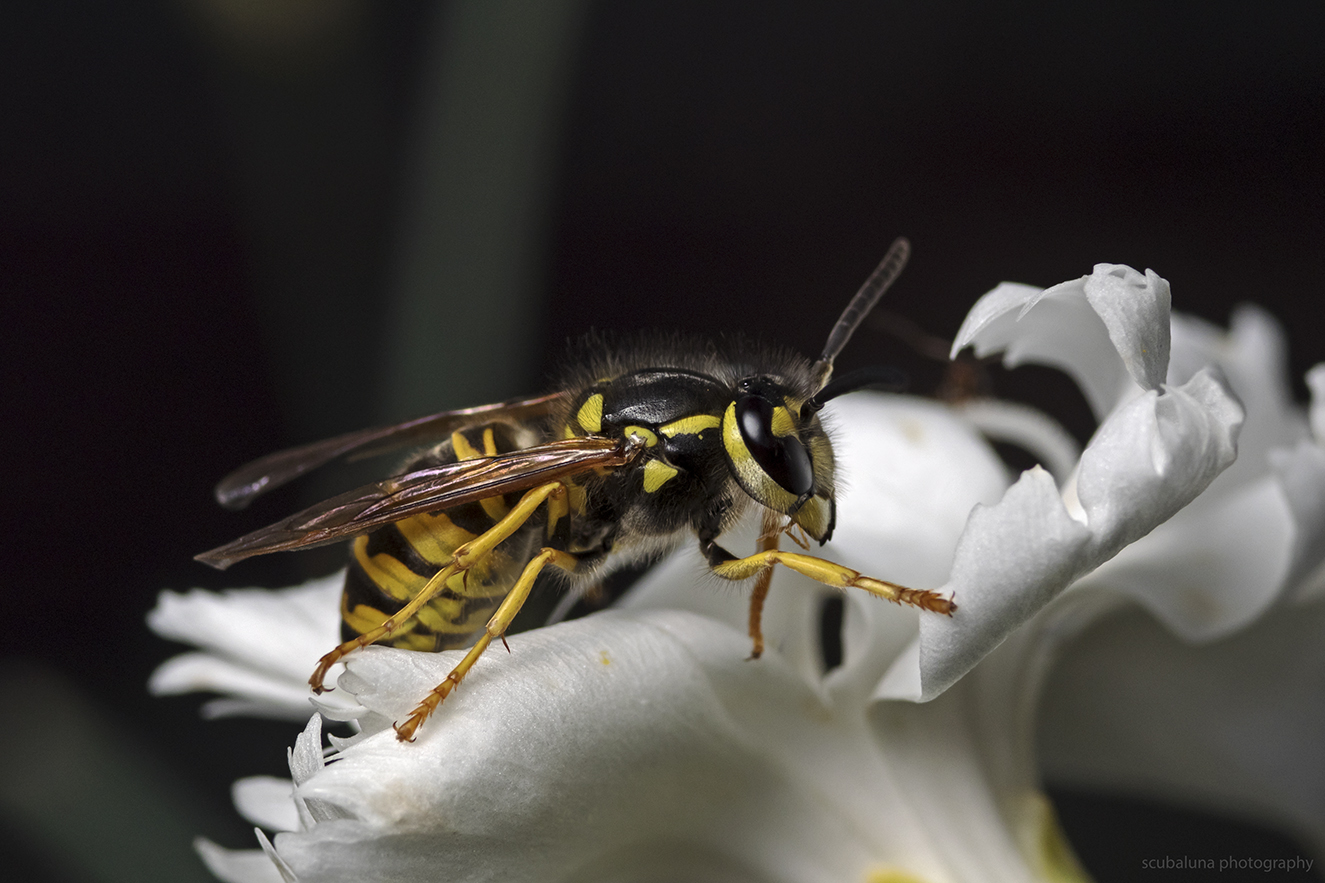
(1147, 461)
(1109, 331)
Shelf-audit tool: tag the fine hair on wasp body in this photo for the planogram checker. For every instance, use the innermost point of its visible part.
(644, 443)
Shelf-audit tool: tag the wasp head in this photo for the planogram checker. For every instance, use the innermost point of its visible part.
(780, 454)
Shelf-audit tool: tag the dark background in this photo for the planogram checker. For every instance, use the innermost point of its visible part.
(205, 228)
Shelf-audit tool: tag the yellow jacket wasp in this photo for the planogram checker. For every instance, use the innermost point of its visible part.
(638, 449)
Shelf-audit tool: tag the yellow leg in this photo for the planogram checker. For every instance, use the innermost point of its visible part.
(496, 628)
(769, 532)
(835, 575)
(465, 557)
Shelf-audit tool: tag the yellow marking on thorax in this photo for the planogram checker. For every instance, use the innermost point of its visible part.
(463, 449)
(782, 422)
(656, 474)
(590, 415)
(691, 425)
(650, 438)
(568, 431)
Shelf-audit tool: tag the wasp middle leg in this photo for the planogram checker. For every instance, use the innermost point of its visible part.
(769, 531)
(465, 557)
(496, 628)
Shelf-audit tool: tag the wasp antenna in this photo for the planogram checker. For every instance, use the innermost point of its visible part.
(879, 281)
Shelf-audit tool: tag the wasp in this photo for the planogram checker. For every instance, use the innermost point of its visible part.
(638, 448)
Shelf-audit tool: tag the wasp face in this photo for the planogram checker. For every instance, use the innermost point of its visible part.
(780, 454)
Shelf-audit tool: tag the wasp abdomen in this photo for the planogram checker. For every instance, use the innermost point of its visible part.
(391, 565)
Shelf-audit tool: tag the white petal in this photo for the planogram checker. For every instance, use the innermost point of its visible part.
(1149, 459)
(1253, 356)
(1109, 331)
(1300, 475)
(599, 745)
(1028, 428)
(202, 672)
(1316, 383)
(267, 802)
(1012, 560)
(1236, 725)
(261, 644)
(306, 757)
(1154, 456)
(910, 472)
(1208, 573)
(1135, 309)
(282, 632)
(306, 761)
(239, 865)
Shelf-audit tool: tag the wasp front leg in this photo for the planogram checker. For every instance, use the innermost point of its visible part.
(728, 566)
(465, 557)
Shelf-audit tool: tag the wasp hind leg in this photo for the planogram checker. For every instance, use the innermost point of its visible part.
(722, 563)
(496, 628)
(465, 557)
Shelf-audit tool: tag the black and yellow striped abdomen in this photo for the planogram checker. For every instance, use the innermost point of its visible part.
(391, 565)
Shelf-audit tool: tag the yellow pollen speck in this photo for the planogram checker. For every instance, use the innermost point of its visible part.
(912, 430)
(603, 657)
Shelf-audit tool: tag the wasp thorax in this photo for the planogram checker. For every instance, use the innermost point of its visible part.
(781, 460)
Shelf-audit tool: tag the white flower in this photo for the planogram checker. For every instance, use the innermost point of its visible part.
(640, 743)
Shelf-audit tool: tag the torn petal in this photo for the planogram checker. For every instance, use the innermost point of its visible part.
(1109, 331)
(1153, 457)
(1135, 309)
(1011, 560)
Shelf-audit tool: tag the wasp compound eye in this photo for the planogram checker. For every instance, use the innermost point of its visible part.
(783, 458)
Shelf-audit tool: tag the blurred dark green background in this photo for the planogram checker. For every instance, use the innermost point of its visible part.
(228, 227)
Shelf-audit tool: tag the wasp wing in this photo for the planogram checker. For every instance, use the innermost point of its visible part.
(427, 490)
(250, 481)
